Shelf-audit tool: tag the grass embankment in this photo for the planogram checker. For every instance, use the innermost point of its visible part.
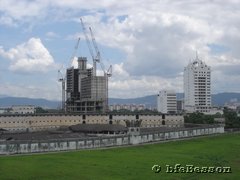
(130, 162)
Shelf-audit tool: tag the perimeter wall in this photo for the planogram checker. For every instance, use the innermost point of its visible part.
(19, 147)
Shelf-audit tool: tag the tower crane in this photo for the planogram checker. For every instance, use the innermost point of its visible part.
(107, 73)
(74, 52)
(89, 47)
(62, 78)
(98, 56)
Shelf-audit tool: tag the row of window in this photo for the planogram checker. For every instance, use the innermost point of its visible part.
(70, 121)
(93, 121)
(67, 115)
(164, 120)
(33, 128)
(23, 108)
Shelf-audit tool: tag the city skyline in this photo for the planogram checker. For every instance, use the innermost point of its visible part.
(148, 44)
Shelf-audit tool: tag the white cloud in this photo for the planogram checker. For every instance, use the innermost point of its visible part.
(30, 91)
(159, 41)
(23, 10)
(223, 82)
(51, 34)
(7, 21)
(143, 85)
(158, 38)
(28, 57)
(119, 72)
(123, 85)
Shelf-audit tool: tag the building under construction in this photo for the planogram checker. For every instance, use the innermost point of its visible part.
(86, 92)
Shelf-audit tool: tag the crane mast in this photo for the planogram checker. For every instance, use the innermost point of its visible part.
(89, 47)
(62, 78)
(98, 56)
(74, 52)
(107, 73)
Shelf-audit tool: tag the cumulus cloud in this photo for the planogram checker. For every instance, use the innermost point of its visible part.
(159, 41)
(31, 56)
(23, 11)
(7, 21)
(224, 82)
(51, 34)
(162, 43)
(158, 38)
(52, 92)
(123, 85)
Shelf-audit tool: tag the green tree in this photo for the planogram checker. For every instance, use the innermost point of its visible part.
(231, 119)
(198, 118)
(40, 110)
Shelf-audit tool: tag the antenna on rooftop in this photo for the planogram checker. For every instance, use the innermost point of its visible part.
(197, 55)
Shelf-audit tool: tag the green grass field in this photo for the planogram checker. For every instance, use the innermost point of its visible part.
(130, 162)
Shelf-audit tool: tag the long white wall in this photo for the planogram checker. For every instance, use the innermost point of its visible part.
(18, 147)
(44, 122)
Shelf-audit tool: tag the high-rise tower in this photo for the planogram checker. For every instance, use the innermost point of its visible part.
(86, 93)
(197, 86)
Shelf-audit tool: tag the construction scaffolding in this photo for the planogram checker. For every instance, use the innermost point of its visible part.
(86, 93)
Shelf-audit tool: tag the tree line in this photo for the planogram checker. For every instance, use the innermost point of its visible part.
(232, 119)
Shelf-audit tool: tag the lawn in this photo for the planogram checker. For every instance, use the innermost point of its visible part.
(130, 162)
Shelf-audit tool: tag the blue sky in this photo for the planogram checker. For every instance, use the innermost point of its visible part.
(148, 44)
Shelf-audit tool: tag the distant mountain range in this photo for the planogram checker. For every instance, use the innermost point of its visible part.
(150, 101)
(9, 101)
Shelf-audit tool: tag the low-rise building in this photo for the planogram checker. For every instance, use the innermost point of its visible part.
(42, 122)
(166, 102)
(215, 110)
(2, 110)
(23, 109)
(130, 107)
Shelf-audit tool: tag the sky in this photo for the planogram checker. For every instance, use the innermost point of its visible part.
(148, 43)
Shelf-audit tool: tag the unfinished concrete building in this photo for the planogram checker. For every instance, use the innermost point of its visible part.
(86, 92)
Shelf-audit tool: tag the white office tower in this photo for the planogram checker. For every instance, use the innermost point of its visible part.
(166, 102)
(197, 87)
